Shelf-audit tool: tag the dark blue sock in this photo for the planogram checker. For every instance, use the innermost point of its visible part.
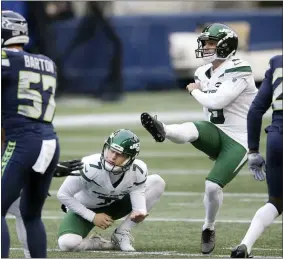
(36, 237)
(5, 238)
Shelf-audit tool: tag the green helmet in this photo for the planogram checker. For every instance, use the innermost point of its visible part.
(227, 41)
(124, 142)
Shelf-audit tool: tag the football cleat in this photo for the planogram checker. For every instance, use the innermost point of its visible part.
(95, 243)
(153, 126)
(240, 252)
(207, 241)
(123, 240)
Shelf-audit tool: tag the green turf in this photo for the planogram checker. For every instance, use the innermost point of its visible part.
(183, 199)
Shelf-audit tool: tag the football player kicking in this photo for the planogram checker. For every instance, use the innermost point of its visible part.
(270, 94)
(112, 185)
(225, 88)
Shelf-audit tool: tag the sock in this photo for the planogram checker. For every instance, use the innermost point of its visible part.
(181, 133)
(213, 200)
(37, 246)
(5, 238)
(262, 219)
(22, 235)
(68, 242)
(155, 186)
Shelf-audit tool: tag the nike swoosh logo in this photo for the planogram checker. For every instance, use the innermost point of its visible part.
(62, 166)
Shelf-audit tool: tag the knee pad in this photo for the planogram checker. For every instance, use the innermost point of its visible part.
(68, 242)
(15, 208)
(277, 203)
(212, 189)
(155, 181)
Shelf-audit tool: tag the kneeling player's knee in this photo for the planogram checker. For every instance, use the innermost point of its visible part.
(68, 242)
(277, 203)
(212, 189)
(155, 181)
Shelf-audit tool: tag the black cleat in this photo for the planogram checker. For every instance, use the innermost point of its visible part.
(153, 126)
(207, 241)
(240, 252)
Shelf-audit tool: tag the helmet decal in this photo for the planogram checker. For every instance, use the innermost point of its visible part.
(124, 142)
(226, 38)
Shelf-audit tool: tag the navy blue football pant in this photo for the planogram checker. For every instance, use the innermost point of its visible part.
(19, 179)
(274, 162)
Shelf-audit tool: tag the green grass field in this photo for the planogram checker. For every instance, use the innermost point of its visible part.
(173, 227)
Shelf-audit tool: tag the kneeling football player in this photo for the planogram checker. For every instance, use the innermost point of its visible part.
(112, 185)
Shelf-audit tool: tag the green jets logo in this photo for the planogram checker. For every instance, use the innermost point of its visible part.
(230, 34)
(135, 146)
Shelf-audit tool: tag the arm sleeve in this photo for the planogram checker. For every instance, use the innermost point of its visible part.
(138, 199)
(71, 186)
(228, 91)
(259, 106)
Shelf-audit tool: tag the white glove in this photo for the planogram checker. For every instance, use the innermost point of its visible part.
(257, 166)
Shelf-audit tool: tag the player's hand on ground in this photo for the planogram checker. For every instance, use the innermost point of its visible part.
(257, 166)
(66, 168)
(102, 220)
(137, 216)
(192, 86)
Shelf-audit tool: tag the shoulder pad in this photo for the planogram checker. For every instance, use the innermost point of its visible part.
(11, 52)
(238, 68)
(140, 169)
(44, 57)
(276, 58)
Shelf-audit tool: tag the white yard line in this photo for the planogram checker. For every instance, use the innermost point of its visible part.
(106, 119)
(226, 194)
(189, 172)
(163, 253)
(76, 121)
(244, 221)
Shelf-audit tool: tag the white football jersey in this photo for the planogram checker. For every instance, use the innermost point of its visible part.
(226, 95)
(93, 188)
(99, 191)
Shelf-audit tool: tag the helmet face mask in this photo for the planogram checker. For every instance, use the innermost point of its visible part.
(206, 50)
(120, 151)
(226, 38)
(14, 29)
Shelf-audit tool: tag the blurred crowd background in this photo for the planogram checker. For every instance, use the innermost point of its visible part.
(105, 48)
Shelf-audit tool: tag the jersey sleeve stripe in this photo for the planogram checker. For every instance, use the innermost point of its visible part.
(196, 78)
(84, 176)
(140, 182)
(5, 62)
(3, 54)
(239, 69)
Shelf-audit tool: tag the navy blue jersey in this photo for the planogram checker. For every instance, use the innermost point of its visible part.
(270, 94)
(28, 89)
